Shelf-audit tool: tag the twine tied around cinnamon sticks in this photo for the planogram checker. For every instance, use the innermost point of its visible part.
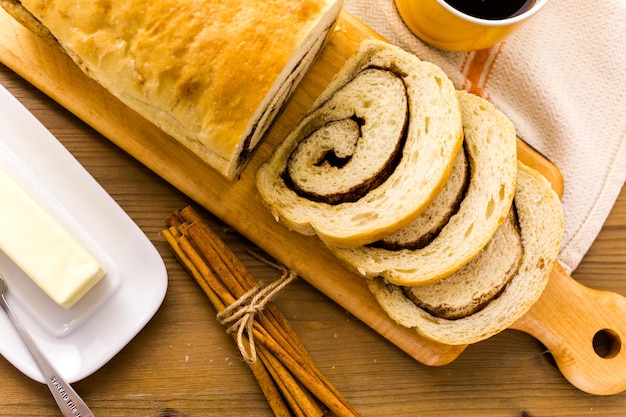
(285, 371)
(241, 314)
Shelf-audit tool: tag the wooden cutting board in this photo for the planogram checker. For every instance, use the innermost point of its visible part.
(566, 319)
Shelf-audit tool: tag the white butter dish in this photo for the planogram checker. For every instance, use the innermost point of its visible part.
(81, 339)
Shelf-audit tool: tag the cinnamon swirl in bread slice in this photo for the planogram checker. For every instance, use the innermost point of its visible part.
(470, 288)
(463, 217)
(499, 285)
(212, 74)
(375, 150)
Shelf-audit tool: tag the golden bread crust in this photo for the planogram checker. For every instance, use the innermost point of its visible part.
(200, 70)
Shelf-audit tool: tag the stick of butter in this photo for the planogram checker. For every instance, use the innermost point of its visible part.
(42, 248)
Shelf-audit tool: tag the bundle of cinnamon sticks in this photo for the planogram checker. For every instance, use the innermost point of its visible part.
(284, 369)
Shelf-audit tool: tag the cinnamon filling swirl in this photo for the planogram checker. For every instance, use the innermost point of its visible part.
(426, 227)
(340, 160)
(473, 287)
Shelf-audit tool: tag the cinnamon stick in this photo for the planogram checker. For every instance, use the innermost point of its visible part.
(263, 377)
(302, 402)
(226, 281)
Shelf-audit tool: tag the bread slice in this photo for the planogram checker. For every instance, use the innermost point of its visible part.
(470, 288)
(375, 150)
(540, 219)
(427, 226)
(212, 74)
(490, 147)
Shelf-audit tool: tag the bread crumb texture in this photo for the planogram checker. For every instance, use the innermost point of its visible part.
(462, 218)
(375, 149)
(509, 278)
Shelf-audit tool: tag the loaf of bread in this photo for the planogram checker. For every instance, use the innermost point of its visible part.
(463, 217)
(499, 285)
(376, 148)
(212, 74)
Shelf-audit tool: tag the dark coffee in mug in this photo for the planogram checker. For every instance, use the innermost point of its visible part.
(492, 9)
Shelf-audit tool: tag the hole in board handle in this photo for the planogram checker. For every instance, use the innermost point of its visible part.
(607, 343)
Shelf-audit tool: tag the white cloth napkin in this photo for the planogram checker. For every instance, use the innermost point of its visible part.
(561, 79)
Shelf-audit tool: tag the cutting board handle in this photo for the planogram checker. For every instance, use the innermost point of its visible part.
(584, 330)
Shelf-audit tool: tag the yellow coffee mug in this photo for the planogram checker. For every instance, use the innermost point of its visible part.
(439, 24)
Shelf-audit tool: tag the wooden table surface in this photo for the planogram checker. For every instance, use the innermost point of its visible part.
(184, 364)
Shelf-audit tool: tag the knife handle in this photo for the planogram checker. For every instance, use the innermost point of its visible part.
(584, 330)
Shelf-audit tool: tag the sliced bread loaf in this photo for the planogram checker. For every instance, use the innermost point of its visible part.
(375, 150)
(540, 220)
(465, 223)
